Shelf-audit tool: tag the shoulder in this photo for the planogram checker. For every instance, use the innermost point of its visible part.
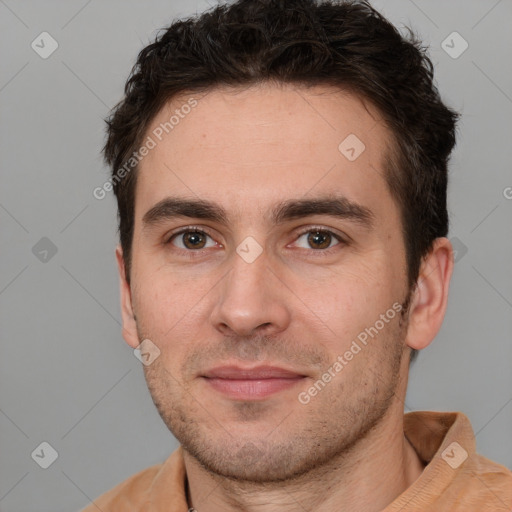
(456, 477)
(483, 482)
(128, 496)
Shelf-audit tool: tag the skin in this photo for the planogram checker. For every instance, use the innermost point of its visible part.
(296, 306)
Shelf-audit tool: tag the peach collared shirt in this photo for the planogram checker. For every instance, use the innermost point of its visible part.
(455, 479)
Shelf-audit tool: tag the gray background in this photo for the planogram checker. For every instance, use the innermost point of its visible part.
(66, 375)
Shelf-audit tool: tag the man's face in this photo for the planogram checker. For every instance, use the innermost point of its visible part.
(251, 310)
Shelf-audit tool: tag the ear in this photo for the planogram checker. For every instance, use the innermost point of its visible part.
(128, 317)
(430, 296)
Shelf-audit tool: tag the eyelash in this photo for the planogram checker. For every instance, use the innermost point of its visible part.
(318, 252)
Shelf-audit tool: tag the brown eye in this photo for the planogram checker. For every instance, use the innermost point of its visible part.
(191, 240)
(319, 239)
(194, 240)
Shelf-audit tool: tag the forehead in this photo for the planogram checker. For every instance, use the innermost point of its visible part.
(256, 145)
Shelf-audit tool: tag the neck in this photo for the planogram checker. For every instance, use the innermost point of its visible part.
(368, 477)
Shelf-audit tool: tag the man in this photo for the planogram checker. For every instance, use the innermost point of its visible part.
(281, 171)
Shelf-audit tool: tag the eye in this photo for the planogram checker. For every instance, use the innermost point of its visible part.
(319, 239)
(191, 239)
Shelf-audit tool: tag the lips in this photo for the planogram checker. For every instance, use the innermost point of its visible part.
(251, 383)
(258, 373)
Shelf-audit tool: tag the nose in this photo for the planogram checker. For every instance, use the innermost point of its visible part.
(251, 300)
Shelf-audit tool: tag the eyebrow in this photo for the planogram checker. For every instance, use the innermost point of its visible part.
(334, 206)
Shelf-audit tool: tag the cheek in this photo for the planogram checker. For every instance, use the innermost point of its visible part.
(167, 306)
(345, 302)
